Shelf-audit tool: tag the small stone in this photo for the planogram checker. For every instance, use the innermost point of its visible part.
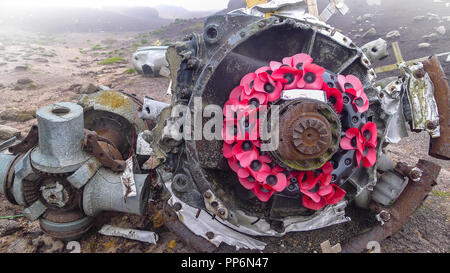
(431, 37)
(21, 68)
(8, 227)
(56, 247)
(7, 132)
(393, 34)
(424, 45)
(88, 89)
(41, 60)
(419, 18)
(370, 33)
(24, 81)
(17, 115)
(21, 245)
(441, 30)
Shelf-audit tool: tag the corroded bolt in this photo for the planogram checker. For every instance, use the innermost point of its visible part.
(177, 206)
(222, 212)
(210, 235)
(207, 195)
(431, 125)
(419, 73)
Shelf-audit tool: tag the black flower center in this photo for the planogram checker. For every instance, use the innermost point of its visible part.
(367, 134)
(256, 165)
(332, 100)
(264, 190)
(272, 180)
(348, 86)
(269, 72)
(354, 142)
(255, 102)
(289, 77)
(299, 66)
(251, 179)
(247, 145)
(316, 188)
(310, 77)
(269, 88)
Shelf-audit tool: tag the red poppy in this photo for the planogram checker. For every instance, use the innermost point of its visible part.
(256, 99)
(361, 102)
(230, 131)
(312, 77)
(265, 83)
(273, 180)
(258, 167)
(364, 143)
(335, 196)
(351, 82)
(289, 74)
(335, 97)
(248, 183)
(245, 152)
(248, 127)
(298, 61)
(353, 140)
(263, 193)
(248, 82)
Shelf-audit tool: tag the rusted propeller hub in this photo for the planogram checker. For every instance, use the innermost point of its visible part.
(309, 134)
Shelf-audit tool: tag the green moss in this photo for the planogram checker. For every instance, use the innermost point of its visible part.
(112, 60)
(442, 194)
(130, 71)
(96, 47)
(144, 41)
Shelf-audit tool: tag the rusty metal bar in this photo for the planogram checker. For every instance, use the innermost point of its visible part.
(440, 147)
(408, 203)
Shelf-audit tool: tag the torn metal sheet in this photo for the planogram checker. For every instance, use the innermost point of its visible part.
(132, 234)
(151, 61)
(127, 178)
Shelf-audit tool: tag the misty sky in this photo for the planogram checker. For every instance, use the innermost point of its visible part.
(188, 4)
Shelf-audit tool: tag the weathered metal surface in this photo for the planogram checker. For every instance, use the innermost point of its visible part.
(67, 230)
(84, 173)
(5, 163)
(408, 202)
(104, 152)
(132, 234)
(440, 147)
(307, 133)
(150, 60)
(104, 192)
(61, 132)
(376, 50)
(422, 101)
(27, 143)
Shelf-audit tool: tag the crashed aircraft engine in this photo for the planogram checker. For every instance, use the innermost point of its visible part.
(334, 122)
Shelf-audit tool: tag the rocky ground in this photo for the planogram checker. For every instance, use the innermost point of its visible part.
(37, 70)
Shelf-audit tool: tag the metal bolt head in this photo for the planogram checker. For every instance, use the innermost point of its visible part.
(177, 206)
(431, 125)
(222, 211)
(210, 235)
(262, 24)
(207, 195)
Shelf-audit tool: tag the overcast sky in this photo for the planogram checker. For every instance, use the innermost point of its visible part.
(188, 4)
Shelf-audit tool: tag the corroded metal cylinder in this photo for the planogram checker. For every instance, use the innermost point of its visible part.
(5, 163)
(104, 192)
(61, 133)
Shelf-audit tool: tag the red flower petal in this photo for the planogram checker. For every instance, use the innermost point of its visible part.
(288, 74)
(370, 129)
(276, 94)
(227, 151)
(336, 196)
(353, 81)
(236, 93)
(370, 159)
(247, 83)
(310, 204)
(234, 165)
(317, 82)
(263, 196)
(339, 99)
(275, 65)
(325, 190)
(243, 173)
(245, 182)
(301, 59)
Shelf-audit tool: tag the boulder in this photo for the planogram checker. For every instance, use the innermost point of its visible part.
(7, 132)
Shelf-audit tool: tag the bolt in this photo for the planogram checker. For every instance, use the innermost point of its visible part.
(262, 24)
(431, 126)
(415, 174)
(177, 206)
(210, 235)
(207, 195)
(242, 34)
(419, 73)
(222, 212)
